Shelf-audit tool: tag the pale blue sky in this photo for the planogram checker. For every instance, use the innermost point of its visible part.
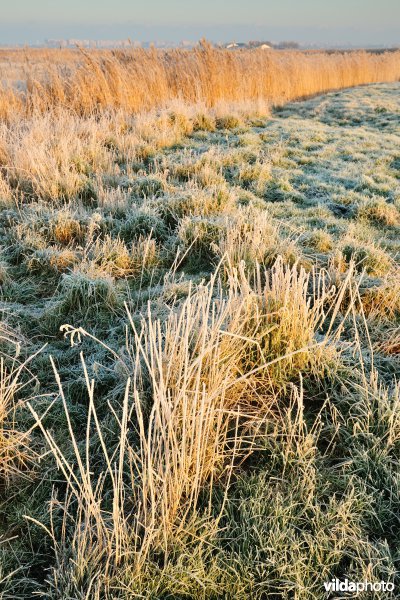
(361, 21)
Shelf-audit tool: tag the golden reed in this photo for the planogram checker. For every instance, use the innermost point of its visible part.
(139, 80)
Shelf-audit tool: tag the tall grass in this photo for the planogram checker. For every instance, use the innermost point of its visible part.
(138, 80)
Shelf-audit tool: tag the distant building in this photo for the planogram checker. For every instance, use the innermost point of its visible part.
(235, 45)
(262, 45)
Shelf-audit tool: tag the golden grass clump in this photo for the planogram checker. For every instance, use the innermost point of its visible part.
(367, 256)
(16, 453)
(51, 155)
(381, 302)
(114, 258)
(5, 192)
(251, 236)
(285, 315)
(67, 229)
(4, 278)
(379, 212)
(391, 344)
(319, 240)
(63, 260)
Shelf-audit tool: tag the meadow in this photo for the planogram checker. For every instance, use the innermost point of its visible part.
(199, 335)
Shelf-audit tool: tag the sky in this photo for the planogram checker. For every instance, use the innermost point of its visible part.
(305, 21)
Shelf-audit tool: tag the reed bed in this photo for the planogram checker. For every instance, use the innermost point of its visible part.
(138, 80)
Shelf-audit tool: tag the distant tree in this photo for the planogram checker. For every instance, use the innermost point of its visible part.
(288, 45)
(257, 44)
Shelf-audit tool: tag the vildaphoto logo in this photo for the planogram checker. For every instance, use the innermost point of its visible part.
(336, 585)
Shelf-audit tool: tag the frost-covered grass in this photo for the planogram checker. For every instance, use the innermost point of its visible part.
(232, 279)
